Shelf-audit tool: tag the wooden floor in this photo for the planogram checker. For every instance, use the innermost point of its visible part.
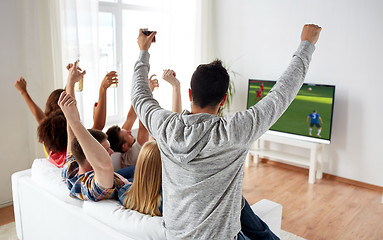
(326, 210)
(6, 215)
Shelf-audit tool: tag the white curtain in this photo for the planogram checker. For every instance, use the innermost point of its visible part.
(79, 22)
(205, 32)
(42, 56)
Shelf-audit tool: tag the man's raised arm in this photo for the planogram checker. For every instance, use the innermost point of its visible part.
(74, 75)
(94, 152)
(260, 117)
(147, 108)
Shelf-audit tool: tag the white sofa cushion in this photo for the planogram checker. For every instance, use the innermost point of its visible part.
(128, 222)
(271, 213)
(48, 176)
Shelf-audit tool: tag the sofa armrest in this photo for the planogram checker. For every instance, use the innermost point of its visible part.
(271, 213)
(16, 198)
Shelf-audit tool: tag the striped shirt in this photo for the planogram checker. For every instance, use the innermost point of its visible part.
(84, 186)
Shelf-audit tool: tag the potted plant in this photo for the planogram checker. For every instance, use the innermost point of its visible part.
(230, 92)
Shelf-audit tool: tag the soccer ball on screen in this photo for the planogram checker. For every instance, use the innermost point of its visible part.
(309, 89)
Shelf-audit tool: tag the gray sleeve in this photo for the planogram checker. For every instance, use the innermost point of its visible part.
(147, 108)
(259, 118)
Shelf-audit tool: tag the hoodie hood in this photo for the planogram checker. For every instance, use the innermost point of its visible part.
(189, 134)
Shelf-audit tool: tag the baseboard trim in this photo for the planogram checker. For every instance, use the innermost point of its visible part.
(6, 204)
(325, 175)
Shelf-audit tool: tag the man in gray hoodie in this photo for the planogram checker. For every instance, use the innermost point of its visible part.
(203, 154)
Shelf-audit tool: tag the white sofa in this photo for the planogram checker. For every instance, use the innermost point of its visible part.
(44, 210)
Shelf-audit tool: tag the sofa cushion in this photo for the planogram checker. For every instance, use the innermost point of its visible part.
(271, 213)
(48, 176)
(128, 222)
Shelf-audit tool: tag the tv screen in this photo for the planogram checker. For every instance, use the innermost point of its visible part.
(310, 114)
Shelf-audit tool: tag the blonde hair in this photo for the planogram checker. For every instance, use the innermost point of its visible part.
(144, 195)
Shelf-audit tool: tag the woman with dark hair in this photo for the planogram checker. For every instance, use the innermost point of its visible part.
(51, 105)
(52, 132)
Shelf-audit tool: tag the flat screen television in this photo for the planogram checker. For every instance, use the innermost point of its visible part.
(311, 109)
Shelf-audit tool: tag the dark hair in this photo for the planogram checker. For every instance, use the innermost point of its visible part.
(209, 84)
(77, 151)
(114, 138)
(52, 132)
(52, 105)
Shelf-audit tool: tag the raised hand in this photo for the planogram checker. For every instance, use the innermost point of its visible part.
(153, 83)
(170, 76)
(21, 85)
(109, 79)
(310, 33)
(69, 107)
(144, 42)
(70, 65)
(75, 73)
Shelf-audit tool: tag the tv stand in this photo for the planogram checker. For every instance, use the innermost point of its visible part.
(313, 161)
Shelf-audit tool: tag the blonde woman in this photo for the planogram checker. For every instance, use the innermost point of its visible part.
(145, 194)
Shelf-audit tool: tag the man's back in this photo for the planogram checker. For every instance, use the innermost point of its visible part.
(203, 154)
(202, 177)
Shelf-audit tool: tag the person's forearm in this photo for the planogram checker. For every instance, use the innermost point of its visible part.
(36, 110)
(69, 88)
(130, 119)
(140, 86)
(142, 134)
(176, 99)
(99, 117)
(70, 136)
(95, 153)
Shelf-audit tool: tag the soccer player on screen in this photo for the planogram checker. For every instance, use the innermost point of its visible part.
(259, 95)
(262, 88)
(314, 120)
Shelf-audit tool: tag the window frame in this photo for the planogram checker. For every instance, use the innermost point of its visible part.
(117, 8)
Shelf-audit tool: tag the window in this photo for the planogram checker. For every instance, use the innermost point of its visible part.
(110, 43)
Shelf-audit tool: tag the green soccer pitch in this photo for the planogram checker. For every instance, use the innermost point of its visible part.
(293, 120)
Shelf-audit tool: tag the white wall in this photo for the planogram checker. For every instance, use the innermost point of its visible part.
(24, 47)
(258, 38)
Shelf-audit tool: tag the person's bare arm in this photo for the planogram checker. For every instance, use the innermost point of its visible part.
(321, 121)
(143, 134)
(73, 77)
(307, 119)
(99, 117)
(94, 152)
(21, 85)
(132, 116)
(130, 119)
(170, 77)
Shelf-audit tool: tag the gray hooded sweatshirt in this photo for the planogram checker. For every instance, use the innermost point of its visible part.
(202, 154)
